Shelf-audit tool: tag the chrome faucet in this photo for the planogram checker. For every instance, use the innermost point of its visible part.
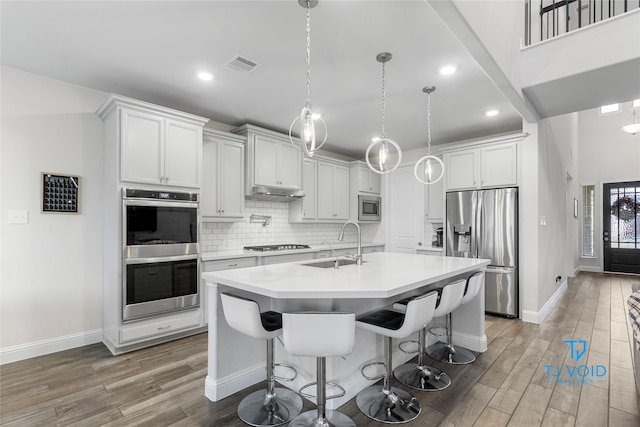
(358, 256)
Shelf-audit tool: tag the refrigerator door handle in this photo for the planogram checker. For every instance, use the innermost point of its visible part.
(498, 270)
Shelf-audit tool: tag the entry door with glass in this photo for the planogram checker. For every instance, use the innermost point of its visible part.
(621, 227)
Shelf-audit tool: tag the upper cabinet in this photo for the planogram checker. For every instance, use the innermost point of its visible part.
(272, 161)
(326, 186)
(333, 191)
(485, 165)
(364, 179)
(222, 196)
(434, 201)
(157, 145)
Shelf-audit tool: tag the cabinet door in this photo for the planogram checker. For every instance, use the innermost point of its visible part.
(405, 208)
(461, 170)
(231, 189)
(368, 181)
(499, 166)
(183, 154)
(289, 166)
(141, 153)
(434, 201)
(209, 193)
(265, 161)
(325, 191)
(309, 184)
(341, 192)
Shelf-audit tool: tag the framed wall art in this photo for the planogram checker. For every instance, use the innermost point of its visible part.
(60, 193)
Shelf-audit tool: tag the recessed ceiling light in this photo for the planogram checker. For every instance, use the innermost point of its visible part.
(203, 75)
(491, 113)
(447, 70)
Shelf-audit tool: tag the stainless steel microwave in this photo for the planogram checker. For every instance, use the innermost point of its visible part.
(369, 208)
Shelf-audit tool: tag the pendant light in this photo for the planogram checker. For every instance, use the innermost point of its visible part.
(307, 117)
(382, 143)
(429, 164)
(634, 127)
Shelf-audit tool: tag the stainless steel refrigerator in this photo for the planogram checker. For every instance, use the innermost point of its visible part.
(484, 224)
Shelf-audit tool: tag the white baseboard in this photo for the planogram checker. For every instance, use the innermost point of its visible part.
(591, 269)
(216, 390)
(539, 316)
(52, 345)
(470, 342)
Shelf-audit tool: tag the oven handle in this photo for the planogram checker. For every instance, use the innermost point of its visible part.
(159, 203)
(161, 259)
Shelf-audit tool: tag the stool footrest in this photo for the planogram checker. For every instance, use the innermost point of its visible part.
(313, 396)
(368, 365)
(409, 342)
(287, 379)
(438, 331)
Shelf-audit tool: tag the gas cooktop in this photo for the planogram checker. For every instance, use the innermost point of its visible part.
(279, 247)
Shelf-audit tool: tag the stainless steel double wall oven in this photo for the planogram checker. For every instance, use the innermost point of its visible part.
(160, 254)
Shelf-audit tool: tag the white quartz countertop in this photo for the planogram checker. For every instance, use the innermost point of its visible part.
(241, 253)
(382, 275)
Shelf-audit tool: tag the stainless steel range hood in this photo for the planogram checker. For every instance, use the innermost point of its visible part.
(269, 194)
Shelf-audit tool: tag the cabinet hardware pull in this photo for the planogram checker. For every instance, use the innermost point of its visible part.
(161, 328)
(232, 265)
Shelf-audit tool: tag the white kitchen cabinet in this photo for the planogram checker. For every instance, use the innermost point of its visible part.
(222, 196)
(406, 211)
(364, 179)
(159, 150)
(271, 160)
(434, 201)
(482, 166)
(460, 170)
(145, 146)
(333, 191)
(306, 208)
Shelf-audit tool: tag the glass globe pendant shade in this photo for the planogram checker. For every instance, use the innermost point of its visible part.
(308, 143)
(378, 154)
(429, 166)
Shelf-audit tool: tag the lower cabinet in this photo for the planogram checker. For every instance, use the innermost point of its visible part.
(160, 326)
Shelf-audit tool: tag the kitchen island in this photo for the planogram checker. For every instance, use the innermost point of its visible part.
(236, 361)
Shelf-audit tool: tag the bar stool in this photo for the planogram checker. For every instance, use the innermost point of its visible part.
(447, 352)
(319, 335)
(382, 402)
(419, 375)
(275, 406)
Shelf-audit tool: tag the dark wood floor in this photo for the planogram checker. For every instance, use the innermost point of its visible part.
(507, 385)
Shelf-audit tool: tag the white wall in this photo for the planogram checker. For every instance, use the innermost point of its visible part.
(51, 267)
(607, 154)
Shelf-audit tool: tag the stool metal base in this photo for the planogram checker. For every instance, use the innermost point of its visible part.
(260, 409)
(442, 352)
(332, 419)
(426, 379)
(394, 407)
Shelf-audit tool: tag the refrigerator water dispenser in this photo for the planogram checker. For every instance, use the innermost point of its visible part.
(462, 239)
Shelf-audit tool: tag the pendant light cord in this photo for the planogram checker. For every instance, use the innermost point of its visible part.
(383, 100)
(429, 124)
(308, 55)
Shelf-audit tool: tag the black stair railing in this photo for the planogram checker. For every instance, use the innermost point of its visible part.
(556, 17)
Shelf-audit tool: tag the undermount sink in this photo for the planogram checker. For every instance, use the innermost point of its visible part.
(331, 263)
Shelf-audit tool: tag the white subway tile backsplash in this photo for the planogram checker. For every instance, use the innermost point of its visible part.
(226, 236)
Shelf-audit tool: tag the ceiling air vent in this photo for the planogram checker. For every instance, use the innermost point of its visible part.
(241, 64)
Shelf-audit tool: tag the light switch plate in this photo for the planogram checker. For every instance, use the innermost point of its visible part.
(19, 217)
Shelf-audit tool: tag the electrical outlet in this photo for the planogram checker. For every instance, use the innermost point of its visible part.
(19, 217)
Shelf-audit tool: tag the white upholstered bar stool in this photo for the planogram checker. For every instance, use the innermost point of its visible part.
(275, 405)
(447, 352)
(419, 375)
(382, 402)
(319, 335)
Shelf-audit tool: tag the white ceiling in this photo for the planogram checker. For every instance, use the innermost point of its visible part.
(152, 50)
